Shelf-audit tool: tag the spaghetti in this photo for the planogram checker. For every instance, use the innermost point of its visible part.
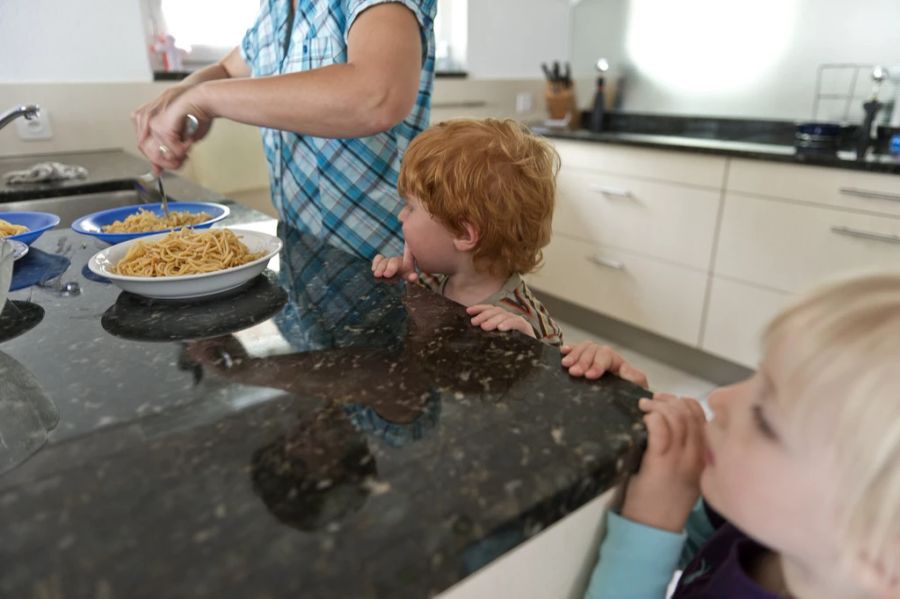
(7, 229)
(185, 252)
(144, 220)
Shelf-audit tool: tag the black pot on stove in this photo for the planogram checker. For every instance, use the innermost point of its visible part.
(817, 138)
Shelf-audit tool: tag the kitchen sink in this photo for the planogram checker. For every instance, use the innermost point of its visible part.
(71, 207)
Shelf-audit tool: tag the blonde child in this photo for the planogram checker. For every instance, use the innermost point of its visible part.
(479, 203)
(802, 461)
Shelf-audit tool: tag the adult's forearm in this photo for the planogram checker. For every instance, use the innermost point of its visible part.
(207, 73)
(335, 101)
(231, 66)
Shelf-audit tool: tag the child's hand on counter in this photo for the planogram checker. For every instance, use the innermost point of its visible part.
(592, 361)
(491, 318)
(667, 485)
(387, 267)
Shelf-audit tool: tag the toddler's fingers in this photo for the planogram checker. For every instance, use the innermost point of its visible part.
(696, 410)
(575, 353)
(486, 313)
(633, 375)
(676, 416)
(594, 362)
(491, 323)
(391, 267)
(658, 435)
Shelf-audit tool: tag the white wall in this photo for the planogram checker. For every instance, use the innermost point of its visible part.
(750, 58)
(72, 40)
(103, 40)
(509, 39)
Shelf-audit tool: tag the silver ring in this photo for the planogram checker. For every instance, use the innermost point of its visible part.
(163, 150)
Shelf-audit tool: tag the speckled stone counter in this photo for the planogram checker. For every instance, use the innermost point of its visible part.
(316, 434)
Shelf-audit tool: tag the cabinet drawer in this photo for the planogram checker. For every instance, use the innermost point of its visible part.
(736, 318)
(654, 295)
(678, 167)
(792, 247)
(668, 221)
(841, 188)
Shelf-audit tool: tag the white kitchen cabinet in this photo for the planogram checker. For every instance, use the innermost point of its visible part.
(836, 187)
(654, 295)
(792, 247)
(669, 221)
(706, 249)
(664, 165)
(736, 318)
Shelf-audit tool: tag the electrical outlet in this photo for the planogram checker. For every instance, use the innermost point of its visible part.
(524, 102)
(36, 128)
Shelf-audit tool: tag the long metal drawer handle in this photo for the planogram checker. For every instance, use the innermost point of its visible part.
(869, 195)
(607, 263)
(886, 238)
(616, 192)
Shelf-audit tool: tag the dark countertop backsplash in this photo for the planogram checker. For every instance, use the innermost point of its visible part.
(742, 138)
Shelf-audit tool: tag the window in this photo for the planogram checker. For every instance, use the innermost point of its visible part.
(202, 32)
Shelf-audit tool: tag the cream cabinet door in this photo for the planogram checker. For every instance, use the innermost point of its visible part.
(791, 247)
(654, 295)
(664, 165)
(736, 318)
(663, 220)
(840, 188)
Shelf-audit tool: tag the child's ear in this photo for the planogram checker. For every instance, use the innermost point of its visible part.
(878, 580)
(468, 239)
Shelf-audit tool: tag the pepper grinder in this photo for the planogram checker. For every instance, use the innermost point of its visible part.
(870, 108)
(596, 123)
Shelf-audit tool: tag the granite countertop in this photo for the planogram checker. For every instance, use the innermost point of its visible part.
(773, 151)
(317, 434)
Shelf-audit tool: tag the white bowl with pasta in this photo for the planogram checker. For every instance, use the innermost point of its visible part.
(186, 286)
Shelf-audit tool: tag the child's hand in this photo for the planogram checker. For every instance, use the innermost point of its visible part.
(591, 361)
(405, 266)
(490, 317)
(667, 486)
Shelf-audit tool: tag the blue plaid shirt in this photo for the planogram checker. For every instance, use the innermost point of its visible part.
(340, 190)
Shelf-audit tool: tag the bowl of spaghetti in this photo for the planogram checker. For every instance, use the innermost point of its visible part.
(186, 264)
(26, 226)
(130, 222)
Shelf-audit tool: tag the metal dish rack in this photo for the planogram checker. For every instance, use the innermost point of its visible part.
(864, 70)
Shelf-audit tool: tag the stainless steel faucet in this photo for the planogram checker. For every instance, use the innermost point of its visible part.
(29, 111)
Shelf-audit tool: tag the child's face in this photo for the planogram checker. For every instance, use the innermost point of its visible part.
(429, 241)
(763, 477)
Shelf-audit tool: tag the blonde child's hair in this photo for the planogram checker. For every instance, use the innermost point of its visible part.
(493, 174)
(838, 351)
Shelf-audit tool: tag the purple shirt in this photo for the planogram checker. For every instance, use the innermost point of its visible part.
(719, 568)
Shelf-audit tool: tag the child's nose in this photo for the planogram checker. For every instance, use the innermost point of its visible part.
(402, 215)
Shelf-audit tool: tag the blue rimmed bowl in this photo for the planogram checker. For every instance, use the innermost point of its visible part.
(37, 223)
(93, 224)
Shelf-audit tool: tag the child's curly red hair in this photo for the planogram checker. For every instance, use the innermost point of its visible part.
(493, 174)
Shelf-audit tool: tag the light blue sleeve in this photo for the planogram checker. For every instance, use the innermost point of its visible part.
(637, 561)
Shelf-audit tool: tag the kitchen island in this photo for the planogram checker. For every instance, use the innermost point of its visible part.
(317, 434)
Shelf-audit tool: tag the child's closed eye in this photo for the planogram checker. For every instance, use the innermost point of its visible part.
(763, 424)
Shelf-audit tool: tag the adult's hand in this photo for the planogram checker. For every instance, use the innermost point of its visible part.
(159, 124)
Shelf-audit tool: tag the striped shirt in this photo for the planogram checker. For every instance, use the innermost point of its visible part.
(341, 190)
(514, 297)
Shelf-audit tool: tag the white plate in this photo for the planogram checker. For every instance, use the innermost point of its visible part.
(19, 249)
(186, 286)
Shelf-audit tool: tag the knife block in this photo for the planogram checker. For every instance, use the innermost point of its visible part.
(561, 104)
